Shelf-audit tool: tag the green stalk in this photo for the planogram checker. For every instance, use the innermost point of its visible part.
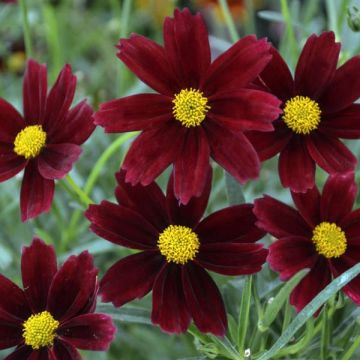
(287, 316)
(351, 350)
(229, 21)
(324, 342)
(85, 199)
(332, 18)
(26, 29)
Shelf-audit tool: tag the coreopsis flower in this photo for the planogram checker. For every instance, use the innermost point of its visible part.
(46, 140)
(54, 314)
(201, 108)
(175, 249)
(318, 109)
(322, 234)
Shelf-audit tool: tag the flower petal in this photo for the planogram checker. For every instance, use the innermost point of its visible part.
(11, 122)
(169, 308)
(10, 335)
(65, 351)
(204, 300)
(235, 224)
(317, 64)
(36, 192)
(351, 225)
(131, 278)
(34, 92)
(279, 219)
(330, 153)
(291, 254)
(22, 352)
(10, 163)
(122, 226)
(38, 267)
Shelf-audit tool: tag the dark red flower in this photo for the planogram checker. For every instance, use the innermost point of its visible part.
(175, 248)
(318, 110)
(201, 110)
(46, 140)
(54, 314)
(323, 235)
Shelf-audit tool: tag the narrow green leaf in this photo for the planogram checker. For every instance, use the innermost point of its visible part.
(244, 313)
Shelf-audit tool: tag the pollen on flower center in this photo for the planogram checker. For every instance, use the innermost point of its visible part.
(329, 240)
(39, 330)
(178, 244)
(30, 141)
(190, 107)
(301, 114)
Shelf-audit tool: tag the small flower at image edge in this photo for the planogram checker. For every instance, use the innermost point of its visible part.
(176, 247)
(200, 110)
(318, 109)
(54, 314)
(322, 234)
(46, 140)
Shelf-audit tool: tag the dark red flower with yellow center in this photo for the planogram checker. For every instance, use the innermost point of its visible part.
(323, 235)
(54, 314)
(201, 108)
(318, 109)
(46, 140)
(176, 248)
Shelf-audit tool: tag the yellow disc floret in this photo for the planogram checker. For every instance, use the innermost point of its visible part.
(30, 141)
(39, 330)
(302, 115)
(329, 240)
(190, 107)
(179, 244)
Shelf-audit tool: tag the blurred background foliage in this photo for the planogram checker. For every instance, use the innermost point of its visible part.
(84, 33)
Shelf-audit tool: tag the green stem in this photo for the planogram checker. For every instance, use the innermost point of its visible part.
(332, 18)
(287, 316)
(351, 350)
(26, 29)
(229, 21)
(85, 199)
(324, 342)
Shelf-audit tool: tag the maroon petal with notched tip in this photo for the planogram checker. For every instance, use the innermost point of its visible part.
(279, 219)
(296, 167)
(119, 285)
(135, 112)
(338, 197)
(169, 308)
(38, 267)
(330, 153)
(11, 123)
(22, 352)
(203, 300)
(315, 281)
(34, 93)
(65, 351)
(291, 254)
(88, 331)
(235, 224)
(73, 287)
(36, 192)
(232, 258)
(122, 226)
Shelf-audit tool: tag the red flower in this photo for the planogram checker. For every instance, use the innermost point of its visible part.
(175, 248)
(54, 314)
(322, 235)
(318, 109)
(45, 141)
(201, 110)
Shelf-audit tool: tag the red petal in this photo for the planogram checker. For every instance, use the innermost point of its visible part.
(351, 225)
(330, 153)
(22, 352)
(317, 64)
(131, 278)
(34, 92)
(296, 167)
(279, 219)
(11, 122)
(10, 163)
(289, 255)
(204, 300)
(10, 335)
(38, 267)
(65, 351)
(169, 308)
(235, 224)
(122, 226)
(36, 192)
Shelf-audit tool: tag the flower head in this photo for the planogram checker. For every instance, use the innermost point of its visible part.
(322, 234)
(54, 314)
(200, 110)
(318, 109)
(176, 247)
(46, 140)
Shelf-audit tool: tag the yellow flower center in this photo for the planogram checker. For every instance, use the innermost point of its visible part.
(178, 244)
(190, 107)
(301, 114)
(39, 330)
(30, 141)
(329, 240)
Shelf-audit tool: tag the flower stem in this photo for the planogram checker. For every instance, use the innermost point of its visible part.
(81, 194)
(351, 350)
(229, 20)
(26, 29)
